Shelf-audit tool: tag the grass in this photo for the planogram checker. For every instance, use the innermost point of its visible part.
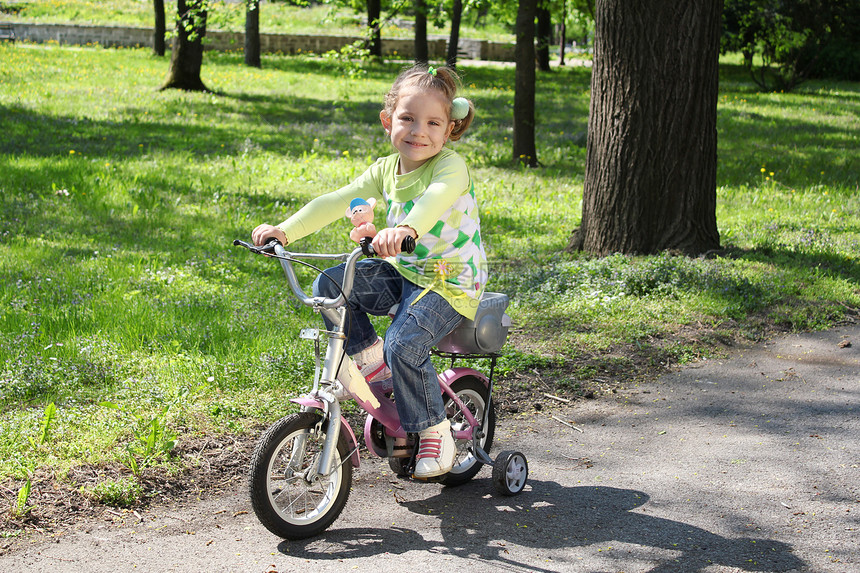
(118, 204)
(275, 18)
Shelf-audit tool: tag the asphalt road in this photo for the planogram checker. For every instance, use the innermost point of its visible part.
(749, 463)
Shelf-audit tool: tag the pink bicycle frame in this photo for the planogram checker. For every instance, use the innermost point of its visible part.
(386, 413)
(352, 443)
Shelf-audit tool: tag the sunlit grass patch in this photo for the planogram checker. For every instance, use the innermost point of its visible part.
(118, 205)
(275, 18)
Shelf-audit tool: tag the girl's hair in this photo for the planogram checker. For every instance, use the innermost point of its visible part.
(422, 77)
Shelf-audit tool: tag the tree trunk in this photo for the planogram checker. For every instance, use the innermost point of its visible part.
(422, 51)
(524, 85)
(651, 164)
(454, 39)
(186, 58)
(563, 33)
(374, 12)
(483, 12)
(544, 37)
(158, 45)
(252, 34)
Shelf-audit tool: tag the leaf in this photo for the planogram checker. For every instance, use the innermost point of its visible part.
(50, 414)
(23, 497)
(132, 461)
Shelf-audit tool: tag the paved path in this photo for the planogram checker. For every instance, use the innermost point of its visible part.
(737, 465)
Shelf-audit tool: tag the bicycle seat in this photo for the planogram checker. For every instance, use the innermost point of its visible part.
(486, 334)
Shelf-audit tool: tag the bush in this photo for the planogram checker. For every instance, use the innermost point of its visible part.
(785, 42)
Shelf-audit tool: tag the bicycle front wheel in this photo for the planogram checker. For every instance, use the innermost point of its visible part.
(286, 495)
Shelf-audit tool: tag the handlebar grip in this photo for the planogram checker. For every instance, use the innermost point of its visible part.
(407, 246)
(268, 248)
(367, 247)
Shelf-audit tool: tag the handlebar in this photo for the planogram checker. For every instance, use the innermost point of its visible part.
(274, 248)
(267, 249)
(366, 244)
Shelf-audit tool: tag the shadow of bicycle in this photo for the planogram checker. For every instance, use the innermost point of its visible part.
(568, 524)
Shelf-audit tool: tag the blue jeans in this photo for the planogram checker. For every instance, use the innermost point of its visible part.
(414, 331)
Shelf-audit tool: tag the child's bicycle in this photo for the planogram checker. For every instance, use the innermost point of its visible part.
(301, 469)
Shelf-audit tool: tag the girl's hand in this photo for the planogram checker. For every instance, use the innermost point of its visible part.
(264, 232)
(387, 241)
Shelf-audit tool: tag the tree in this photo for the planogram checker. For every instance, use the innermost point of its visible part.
(374, 13)
(422, 50)
(650, 174)
(580, 20)
(158, 46)
(454, 39)
(524, 85)
(562, 32)
(544, 35)
(575, 21)
(252, 34)
(186, 59)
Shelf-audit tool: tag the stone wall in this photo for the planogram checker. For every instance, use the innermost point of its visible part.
(128, 37)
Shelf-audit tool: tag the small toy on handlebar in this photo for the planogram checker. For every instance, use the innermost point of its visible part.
(360, 213)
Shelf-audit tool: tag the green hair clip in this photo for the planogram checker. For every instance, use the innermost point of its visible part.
(431, 70)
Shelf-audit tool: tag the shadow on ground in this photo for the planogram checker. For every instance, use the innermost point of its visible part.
(568, 521)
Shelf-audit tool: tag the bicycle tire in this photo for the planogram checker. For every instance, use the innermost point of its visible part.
(475, 395)
(282, 498)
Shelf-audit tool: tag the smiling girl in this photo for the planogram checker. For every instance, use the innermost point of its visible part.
(430, 197)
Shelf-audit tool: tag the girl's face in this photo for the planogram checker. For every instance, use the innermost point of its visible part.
(418, 127)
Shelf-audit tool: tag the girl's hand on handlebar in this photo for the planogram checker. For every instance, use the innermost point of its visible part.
(387, 242)
(263, 233)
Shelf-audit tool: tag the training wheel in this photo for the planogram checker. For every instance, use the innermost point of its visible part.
(510, 472)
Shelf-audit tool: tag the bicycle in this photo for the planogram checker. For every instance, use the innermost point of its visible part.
(301, 468)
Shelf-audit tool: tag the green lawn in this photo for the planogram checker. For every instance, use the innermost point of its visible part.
(275, 18)
(118, 205)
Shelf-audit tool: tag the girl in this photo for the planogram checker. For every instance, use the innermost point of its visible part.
(430, 196)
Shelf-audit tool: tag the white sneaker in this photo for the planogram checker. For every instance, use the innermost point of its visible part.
(372, 363)
(436, 451)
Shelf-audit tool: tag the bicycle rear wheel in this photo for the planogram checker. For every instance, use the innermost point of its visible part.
(285, 495)
(476, 397)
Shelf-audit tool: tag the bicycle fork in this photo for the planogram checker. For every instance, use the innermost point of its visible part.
(331, 415)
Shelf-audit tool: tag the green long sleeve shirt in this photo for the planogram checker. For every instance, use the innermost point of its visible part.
(438, 201)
